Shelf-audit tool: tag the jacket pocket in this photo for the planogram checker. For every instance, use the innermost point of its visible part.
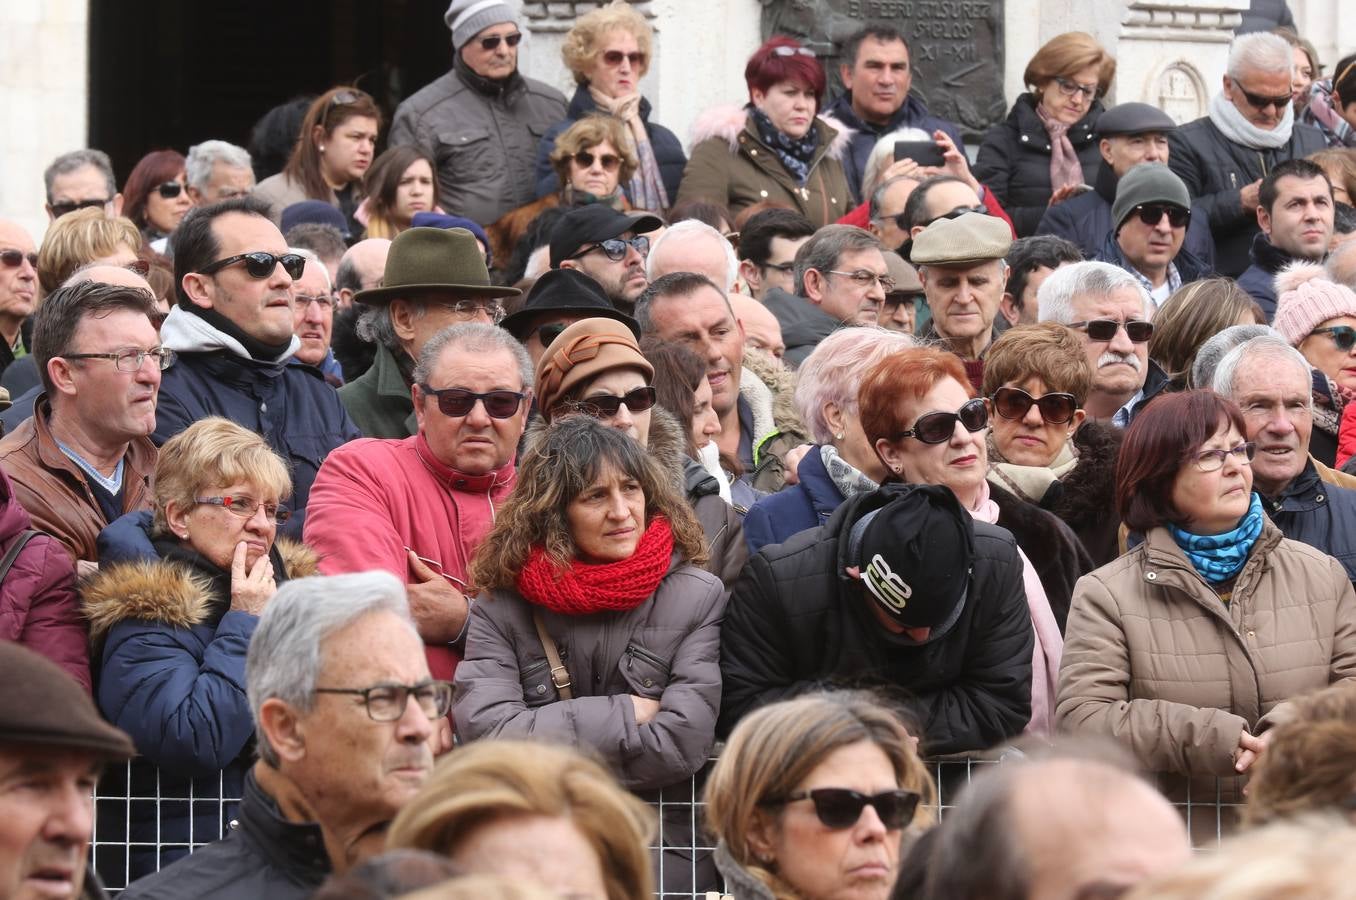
(469, 154)
(538, 688)
(645, 672)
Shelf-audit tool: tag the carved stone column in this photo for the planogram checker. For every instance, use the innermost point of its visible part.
(1172, 54)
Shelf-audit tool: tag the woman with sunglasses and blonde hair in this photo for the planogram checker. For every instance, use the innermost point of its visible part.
(333, 152)
(813, 798)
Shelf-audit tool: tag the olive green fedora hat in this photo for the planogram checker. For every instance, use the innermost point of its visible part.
(444, 261)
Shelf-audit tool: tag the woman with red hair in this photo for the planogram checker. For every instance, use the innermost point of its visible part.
(155, 195)
(774, 149)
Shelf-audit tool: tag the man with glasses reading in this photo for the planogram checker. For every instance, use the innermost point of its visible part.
(418, 507)
(1108, 309)
(1248, 131)
(609, 247)
(483, 119)
(232, 331)
(343, 707)
(1151, 213)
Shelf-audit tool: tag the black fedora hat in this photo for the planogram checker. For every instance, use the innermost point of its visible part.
(434, 261)
(566, 291)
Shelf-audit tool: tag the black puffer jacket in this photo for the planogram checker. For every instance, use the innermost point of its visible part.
(1215, 169)
(1318, 514)
(796, 622)
(1014, 160)
(1055, 552)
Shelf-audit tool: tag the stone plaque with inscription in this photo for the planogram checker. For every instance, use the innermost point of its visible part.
(956, 46)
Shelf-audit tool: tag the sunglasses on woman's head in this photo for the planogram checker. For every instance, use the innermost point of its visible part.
(1344, 336)
(492, 43)
(169, 190)
(615, 57)
(1105, 329)
(15, 258)
(605, 406)
(456, 402)
(1152, 213)
(260, 264)
(840, 808)
(937, 428)
(1015, 403)
(611, 162)
(793, 51)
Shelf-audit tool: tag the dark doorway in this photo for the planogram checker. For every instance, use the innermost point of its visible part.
(168, 74)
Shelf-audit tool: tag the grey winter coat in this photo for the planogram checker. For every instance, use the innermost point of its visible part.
(665, 649)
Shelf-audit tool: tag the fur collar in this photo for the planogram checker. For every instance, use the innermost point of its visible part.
(770, 392)
(1092, 484)
(727, 120)
(155, 590)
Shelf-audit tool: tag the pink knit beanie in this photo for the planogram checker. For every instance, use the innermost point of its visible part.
(1307, 300)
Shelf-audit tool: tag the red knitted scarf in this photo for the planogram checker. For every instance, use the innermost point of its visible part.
(587, 587)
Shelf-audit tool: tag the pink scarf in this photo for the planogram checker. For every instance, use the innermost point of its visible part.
(1049, 647)
(1065, 169)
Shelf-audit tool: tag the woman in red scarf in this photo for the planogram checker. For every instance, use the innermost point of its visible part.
(594, 626)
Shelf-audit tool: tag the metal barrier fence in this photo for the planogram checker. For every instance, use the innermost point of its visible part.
(121, 802)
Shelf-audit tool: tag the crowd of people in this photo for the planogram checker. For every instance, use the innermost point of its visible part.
(436, 514)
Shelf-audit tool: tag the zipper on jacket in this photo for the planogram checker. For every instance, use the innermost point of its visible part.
(634, 652)
(533, 669)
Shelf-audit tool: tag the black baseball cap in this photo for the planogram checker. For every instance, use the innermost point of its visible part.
(566, 291)
(592, 223)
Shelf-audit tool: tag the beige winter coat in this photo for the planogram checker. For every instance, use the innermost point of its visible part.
(1155, 660)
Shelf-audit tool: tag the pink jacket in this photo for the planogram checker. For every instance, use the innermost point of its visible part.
(374, 498)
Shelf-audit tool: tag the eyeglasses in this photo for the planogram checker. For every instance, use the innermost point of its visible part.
(169, 189)
(793, 51)
(456, 402)
(70, 206)
(1015, 403)
(785, 268)
(1069, 88)
(493, 309)
(305, 300)
(1344, 336)
(140, 266)
(953, 214)
(387, 702)
(245, 507)
(1152, 213)
(1260, 102)
(1105, 329)
(130, 360)
(548, 333)
(840, 808)
(610, 162)
(615, 248)
(260, 264)
(936, 428)
(492, 43)
(1213, 460)
(865, 278)
(605, 406)
(15, 258)
(896, 300)
(615, 57)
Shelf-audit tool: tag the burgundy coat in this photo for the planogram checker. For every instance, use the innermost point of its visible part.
(37, 599)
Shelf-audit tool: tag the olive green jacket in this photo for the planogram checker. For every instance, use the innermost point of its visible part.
(378, 401)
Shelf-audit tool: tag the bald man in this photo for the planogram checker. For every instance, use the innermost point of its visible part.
(762, 331)
(18, 286)
(361, 268)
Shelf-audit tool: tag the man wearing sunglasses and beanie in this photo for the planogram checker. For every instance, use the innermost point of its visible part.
(902, 589)
(233, 336)
(482, 120)
(1296, 211)
(1151, 214)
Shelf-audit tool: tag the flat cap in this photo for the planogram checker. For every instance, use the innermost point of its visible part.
(969, 239)
(1133, 118)
(42, 706)
(905, 275)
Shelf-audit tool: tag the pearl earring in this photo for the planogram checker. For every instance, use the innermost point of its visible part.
(322, 148)
(839, 436)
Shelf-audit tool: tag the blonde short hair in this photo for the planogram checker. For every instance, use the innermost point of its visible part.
(77, 239)
(583, 42)
(486, 780)
(214, 452)
(590, 131)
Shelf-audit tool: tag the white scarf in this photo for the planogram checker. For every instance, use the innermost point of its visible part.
(709, 457)
(1236, 128)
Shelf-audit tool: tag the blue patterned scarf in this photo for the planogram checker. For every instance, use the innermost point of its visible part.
(795, 153)
(1218, 557)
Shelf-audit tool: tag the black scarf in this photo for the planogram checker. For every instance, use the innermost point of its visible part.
(495, 89)
(256, 348)
(796, 154)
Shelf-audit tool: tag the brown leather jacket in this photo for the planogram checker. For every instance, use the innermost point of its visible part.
(54, 490)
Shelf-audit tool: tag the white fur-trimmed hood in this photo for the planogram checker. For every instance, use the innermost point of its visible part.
(729, 119)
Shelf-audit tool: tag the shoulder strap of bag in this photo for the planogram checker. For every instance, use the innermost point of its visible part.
(560, 676)
(15, 549)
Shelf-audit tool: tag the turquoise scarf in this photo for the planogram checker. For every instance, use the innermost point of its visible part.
(1218, 557)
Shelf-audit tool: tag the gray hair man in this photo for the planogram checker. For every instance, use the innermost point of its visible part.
(1249, 130)
(1271, 382)
(313, 313)
(693, 246)
(1109, 310)
(18, 286)
(217, 170)
(80, 179)
(962, 265)
(840, 279)
(885, 209)
(344, 708)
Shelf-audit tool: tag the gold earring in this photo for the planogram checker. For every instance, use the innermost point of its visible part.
(899, 470)
(839, 436)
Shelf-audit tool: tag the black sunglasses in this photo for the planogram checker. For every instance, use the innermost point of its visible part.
(954, 214)
(1344, 336)
(548, 333)
(492, 43)
(15, 258)
(455, 402)
(260, 264)
(70, 206)
(1259, 102)
(1152, 213)
(605, 406)
(840, 808)
(1105, 329)
(169, 189)
(615, 248)
(1015, 403)
(936, 428)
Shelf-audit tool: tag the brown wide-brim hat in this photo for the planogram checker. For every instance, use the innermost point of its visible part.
(587, 348)
(42, 706)
(444, 261)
